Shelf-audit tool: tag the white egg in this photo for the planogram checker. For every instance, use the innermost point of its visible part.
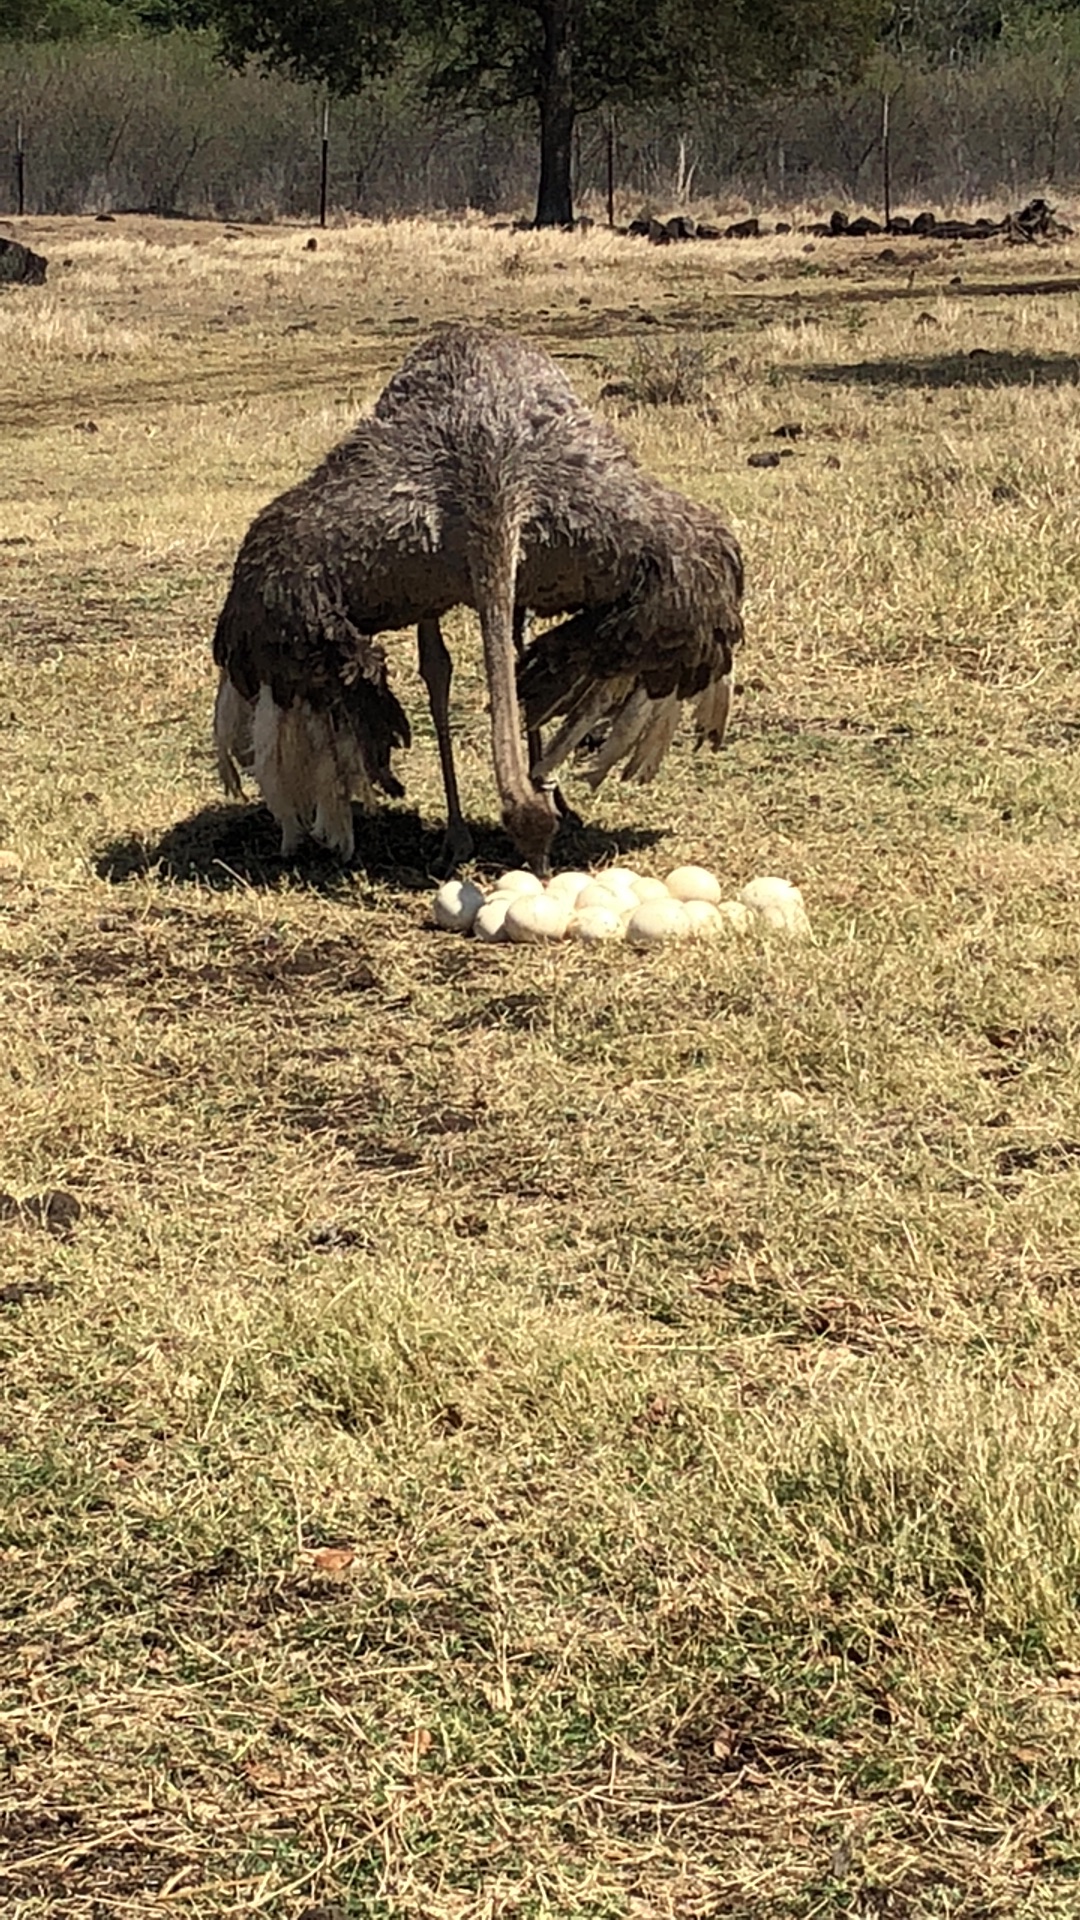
(569, 884)
(733, 915)
(777, 904)
(518, 881)
(456, 905)
(655, 921)
(649, 889)
(598, 894)
(593, 924)
(694, 883)
(533, 918)
(621, 878)
(704, 920)
(490, 922)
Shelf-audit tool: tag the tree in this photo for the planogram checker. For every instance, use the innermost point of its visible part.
(953, 29)
(563, 57)
(63, 19)
(568, 57)
(942, 29)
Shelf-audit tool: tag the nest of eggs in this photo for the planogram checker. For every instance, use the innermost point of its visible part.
(617, 904)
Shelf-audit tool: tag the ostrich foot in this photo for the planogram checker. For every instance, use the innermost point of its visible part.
(457, 847)
(565, 814)
(568, 815)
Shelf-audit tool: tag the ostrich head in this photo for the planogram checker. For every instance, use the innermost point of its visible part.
(531, 824)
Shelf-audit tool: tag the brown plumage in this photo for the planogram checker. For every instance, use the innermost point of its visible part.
(481, 479)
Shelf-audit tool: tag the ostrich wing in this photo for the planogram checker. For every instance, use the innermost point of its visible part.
(349, 552)
(632, 663)
(287, 634)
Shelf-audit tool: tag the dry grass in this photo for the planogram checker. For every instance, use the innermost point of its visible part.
(545, 1434)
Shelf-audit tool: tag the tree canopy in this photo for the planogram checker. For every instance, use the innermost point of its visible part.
(64, 19)
(563, 57)
(946, 29)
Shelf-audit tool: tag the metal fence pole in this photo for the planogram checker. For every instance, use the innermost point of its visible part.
(324, 171)
(886, 158)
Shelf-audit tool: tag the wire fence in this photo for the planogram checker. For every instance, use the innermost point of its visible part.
(159, 126)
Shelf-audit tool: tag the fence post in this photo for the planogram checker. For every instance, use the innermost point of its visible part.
(324, 169)
(886, 156)
(20, 169)
(611, 170)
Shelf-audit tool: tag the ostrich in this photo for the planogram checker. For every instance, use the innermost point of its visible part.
(481, 479)
(370, 541)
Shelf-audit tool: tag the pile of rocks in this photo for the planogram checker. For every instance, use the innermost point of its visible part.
(18, 266)
(1035, 222)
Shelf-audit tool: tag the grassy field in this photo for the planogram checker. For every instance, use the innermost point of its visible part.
(511, 1433)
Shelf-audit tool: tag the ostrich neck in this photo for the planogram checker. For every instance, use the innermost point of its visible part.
(510, 769)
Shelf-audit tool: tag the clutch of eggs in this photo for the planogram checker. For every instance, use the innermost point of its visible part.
(617, 904)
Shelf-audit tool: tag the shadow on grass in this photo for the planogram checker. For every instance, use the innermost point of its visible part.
(236, 846)
(980, 368)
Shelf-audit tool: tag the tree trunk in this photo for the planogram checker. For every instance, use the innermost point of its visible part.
(555, 204)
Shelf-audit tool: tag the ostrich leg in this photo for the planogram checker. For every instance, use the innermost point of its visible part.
(437, 671)
(533, 738)
(521, 633)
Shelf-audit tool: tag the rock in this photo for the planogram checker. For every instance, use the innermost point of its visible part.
(312, 245)
(18, 266)
(789, 430)
(763, 460)
(924, 223)
(744, 229)
(961, 230)
(1036, 221)
(681, 227)
(838, 221)
(53, 1211)
(863, 226)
